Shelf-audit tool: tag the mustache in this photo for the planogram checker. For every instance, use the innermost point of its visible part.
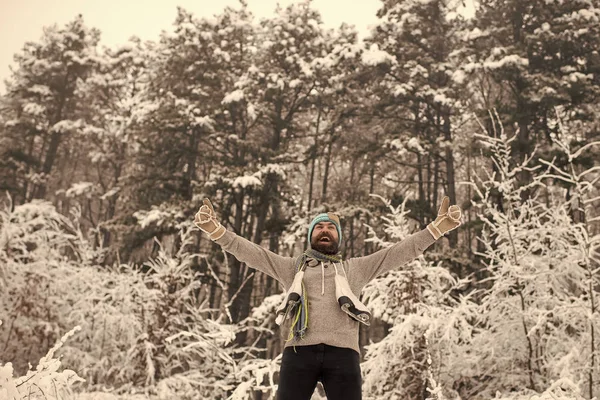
(324, 234)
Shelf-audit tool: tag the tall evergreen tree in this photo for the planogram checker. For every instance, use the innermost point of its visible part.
(44, 107)
(411, 48)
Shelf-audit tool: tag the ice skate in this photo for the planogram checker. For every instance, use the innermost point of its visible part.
(349, 303)
(292, 299)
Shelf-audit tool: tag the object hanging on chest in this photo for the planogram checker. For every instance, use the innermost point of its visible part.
(332, 281)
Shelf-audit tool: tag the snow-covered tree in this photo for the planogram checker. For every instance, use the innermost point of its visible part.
(525, 58)
(115, 94)
(418, 96)
(44, 108)
(45, 382)
(538, 314)
(426, 315)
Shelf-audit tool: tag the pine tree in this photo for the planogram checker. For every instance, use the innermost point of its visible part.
(44, 108)
(525, 58)
(116, 94)
(414, 40)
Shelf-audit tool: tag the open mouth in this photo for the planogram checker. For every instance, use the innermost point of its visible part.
(325, 239)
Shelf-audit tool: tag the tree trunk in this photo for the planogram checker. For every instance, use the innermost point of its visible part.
(190, 172)
(326, 173)
(55, 139)
(235, 266)
(436, 183)
(450, 178)
(421, 190)
(313, 160)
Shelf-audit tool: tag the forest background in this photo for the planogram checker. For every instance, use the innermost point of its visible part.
(108, 291)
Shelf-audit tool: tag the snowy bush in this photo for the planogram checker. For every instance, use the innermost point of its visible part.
(140, 327)
(539, 313)
(45, 382)
(418, 301)
(256, 375)
(526, 330)
(194, 351)
(252, 374)
(36, 242)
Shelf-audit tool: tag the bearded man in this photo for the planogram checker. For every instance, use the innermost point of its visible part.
(322, 306)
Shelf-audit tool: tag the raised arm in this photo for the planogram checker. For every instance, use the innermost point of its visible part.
(255, 256)
(364, 269)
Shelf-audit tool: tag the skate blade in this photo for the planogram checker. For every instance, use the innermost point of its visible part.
(363, 318)
(291, 306)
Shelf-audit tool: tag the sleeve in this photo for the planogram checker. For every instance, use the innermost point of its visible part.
(364, 269)
(255, 256)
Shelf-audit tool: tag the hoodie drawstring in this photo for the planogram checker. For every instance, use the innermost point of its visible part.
(342, 267)
(322, 279)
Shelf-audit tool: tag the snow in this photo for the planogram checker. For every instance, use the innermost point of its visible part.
(443, 99)
(81, 189)
(110, 193)
(567, 69)
(267, 44)
(417, 70)
(459, 76)
(44, 379)
(149, 316)
(414, 144)
(305, 68)
(205, 122)
(248, 181)
(294, 83)
(66, 125)
(592, 15)
(268, 306)
(34, 109)
(313, 23)
(373, 56)
(251, 111)
(40, 89)
(219, 53)
(578, 77)
(233, 97)
(511, 59)
(147, 218)
(323, 62)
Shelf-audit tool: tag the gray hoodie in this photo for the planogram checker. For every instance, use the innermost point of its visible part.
(327, 323)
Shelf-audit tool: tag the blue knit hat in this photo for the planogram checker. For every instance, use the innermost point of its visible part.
(326, 217)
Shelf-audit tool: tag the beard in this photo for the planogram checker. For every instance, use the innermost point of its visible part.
(330, 248)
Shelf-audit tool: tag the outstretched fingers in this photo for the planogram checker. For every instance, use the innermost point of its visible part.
(208, 207)
(444, 207)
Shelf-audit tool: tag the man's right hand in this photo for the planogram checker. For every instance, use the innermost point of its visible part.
(448, 218)
(206, 220)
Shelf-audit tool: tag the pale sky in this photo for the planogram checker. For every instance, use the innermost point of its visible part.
(118, 20)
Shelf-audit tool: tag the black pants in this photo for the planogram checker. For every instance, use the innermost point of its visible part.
(337, 368)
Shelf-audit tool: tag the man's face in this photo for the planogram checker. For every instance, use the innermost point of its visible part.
(325, 238)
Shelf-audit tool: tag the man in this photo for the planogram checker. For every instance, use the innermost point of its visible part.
(321, 302)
